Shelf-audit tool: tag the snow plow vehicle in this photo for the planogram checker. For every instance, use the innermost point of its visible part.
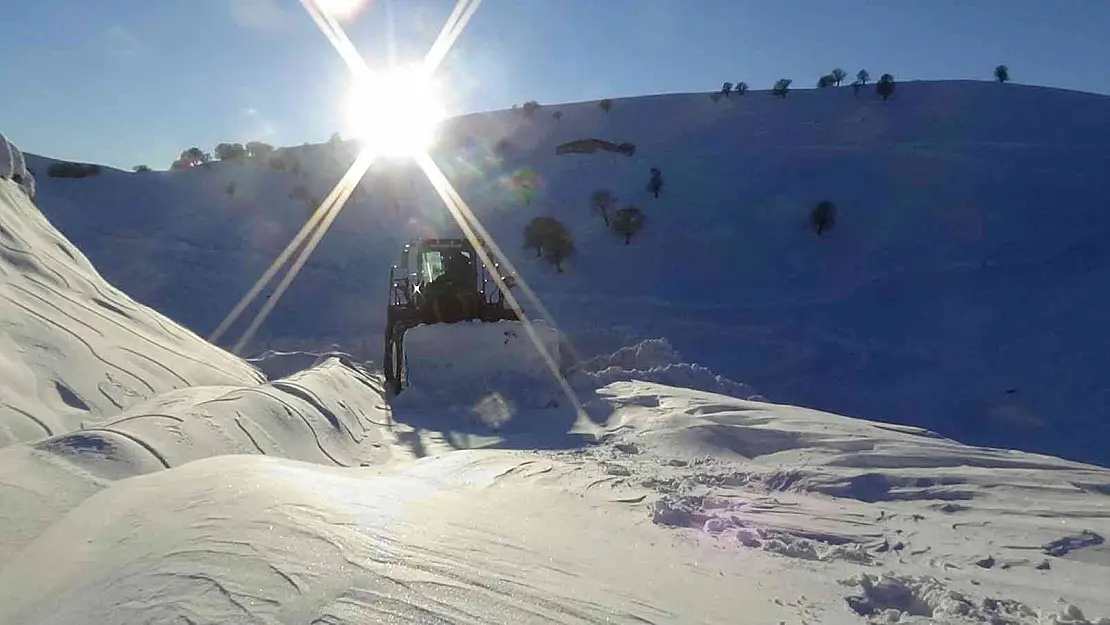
(439, 281)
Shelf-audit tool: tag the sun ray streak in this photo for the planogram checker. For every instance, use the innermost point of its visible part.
(268, 275)
(458, 210)
(325, 214)
(445, 32)
(338, 38)
(345, 188)
(447, 38)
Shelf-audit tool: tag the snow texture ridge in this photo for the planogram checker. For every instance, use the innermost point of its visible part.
(74, 348)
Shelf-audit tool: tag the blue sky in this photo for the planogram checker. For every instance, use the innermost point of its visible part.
(123, 82)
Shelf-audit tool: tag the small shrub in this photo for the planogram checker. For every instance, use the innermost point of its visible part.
(605, 105)
(231, 152)
(533, 235)
(602, 202)
(627, 222)
(823, 216)
(885, 86)
(655, 182)
(193, 157)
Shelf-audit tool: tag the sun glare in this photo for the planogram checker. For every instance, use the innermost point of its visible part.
(342, 9)
(395, 112)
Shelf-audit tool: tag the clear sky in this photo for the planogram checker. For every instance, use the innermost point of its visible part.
(124, 82)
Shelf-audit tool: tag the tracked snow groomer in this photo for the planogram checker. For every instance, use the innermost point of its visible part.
(439, 281)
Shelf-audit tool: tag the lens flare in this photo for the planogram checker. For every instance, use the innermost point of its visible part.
(395, 112)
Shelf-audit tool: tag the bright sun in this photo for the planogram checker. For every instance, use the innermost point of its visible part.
(395, 112)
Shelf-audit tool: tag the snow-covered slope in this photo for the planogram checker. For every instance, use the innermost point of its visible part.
(219, 497)
(73, 347)
(960, 290)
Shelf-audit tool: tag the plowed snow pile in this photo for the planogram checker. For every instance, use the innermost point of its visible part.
(476, 364)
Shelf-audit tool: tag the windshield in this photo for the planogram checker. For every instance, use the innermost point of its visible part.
(430, 266)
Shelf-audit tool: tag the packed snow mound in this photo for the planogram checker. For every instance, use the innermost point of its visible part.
(14, 167)
(332, 415)
(952, 294)
(490, 367)
(263, 539)
(74, 348)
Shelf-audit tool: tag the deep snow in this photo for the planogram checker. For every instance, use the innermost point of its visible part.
(149, 476)
(960, 290)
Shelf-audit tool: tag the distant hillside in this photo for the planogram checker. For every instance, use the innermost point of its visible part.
(962, 287)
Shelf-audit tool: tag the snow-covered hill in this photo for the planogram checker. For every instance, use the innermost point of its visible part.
(147, 476)
(961, 290)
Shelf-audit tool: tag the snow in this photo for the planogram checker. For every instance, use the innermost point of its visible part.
(148, 476)
(14, 167)
(960, 290)
(486, 365)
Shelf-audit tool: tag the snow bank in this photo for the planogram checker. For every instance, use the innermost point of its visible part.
(95, 388)
(73, 347)
(489, 367)
(331, 415)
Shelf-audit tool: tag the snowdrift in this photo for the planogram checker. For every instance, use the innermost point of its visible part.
(808, 514)
(96, 388)
(72, 346)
